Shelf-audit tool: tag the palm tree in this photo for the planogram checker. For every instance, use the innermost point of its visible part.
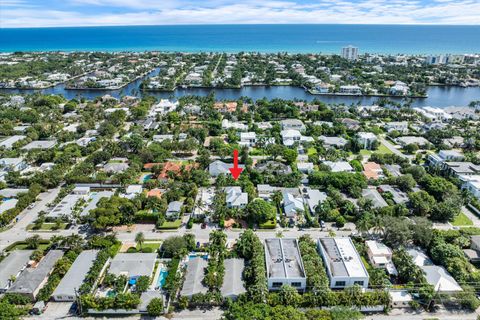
(33, 242)
(378, 226)
(363, 226)
(140, 239)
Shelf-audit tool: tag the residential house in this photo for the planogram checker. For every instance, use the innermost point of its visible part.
(339, 166)
(366, 139)
(232, 285)
(380, 256)
(284, 264)
(292, 202)
(292, 124)
(343, 263)
(174, 209)
(218, 167)
(13, 164)
(372, 170)
(265, 191)
(376, 198)
(400, 126)
(12, 266)
(40, 144)
(133, 265)
(437, 276)
(235, 198)
(32, 279)
(406, 140)
(473, 254)
(314, 198)
(305, 167)
(10, 141)
(248, 139)
(337, 142)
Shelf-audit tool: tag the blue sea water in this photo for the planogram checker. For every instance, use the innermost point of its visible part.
(409, 39)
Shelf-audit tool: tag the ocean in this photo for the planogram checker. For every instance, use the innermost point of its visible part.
(386, 39)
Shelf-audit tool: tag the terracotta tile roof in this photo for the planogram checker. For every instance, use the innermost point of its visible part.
(169, 167)
(371, 170)
(154, 193)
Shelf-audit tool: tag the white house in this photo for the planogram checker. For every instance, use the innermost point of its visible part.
(163, 107)
(314, 198)
(13, 164)
(343, 263)
(401, 126)
(292, 202)
(380, 256)
(292, 124)
(284, 264)
(399, 88)
(235, 198)
(339, 166)
(10, 141)
(366, 139)
(291, 136)
(226, 124)
(248, 139)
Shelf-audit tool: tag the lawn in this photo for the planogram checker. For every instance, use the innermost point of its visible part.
(48, 226)
(462, 220)
(311, 151)
(383, 149)
(171, 224)
(365, 152)
(153, 245)
(268, 225)
(20, 245)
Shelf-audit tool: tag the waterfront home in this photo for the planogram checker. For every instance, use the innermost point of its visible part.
(284, 264)
(399, 88)
(434, 114)
(350, 90)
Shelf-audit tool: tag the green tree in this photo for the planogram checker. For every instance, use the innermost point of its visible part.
(260, 211)
(140, 239)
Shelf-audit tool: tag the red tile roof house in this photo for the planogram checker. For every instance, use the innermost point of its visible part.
(372, 170)
(175, 168)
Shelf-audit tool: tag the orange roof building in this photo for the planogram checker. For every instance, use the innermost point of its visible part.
(169, 167)
(372, 170)
(154, 193)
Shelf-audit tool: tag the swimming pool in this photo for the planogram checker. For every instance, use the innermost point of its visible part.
(161, 278)
(193, 256)
(147, 177)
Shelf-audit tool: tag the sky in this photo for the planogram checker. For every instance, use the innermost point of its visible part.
(68, 13)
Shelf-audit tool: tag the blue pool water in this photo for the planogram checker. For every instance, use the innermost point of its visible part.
(192, 256)
(161, 278)
(147, 177)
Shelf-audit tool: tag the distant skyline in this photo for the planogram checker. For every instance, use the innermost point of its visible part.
(71, 13)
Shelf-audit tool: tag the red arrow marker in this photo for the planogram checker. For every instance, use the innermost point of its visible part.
(235, 170)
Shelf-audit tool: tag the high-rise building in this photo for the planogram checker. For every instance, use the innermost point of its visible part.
(350, 53)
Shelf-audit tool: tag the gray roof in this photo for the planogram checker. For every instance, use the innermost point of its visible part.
(174, 206)
(133, 264)
(398, 195)
(40, 144)
(73, 279)
(146, 297)
(218, 167)
(194, 277)
(12, 265)
(374, 195)
(11, 193)
(30, 279)
(115, 167)
(283, 258)
(232, 281)
(341, 257)
(93, 199)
